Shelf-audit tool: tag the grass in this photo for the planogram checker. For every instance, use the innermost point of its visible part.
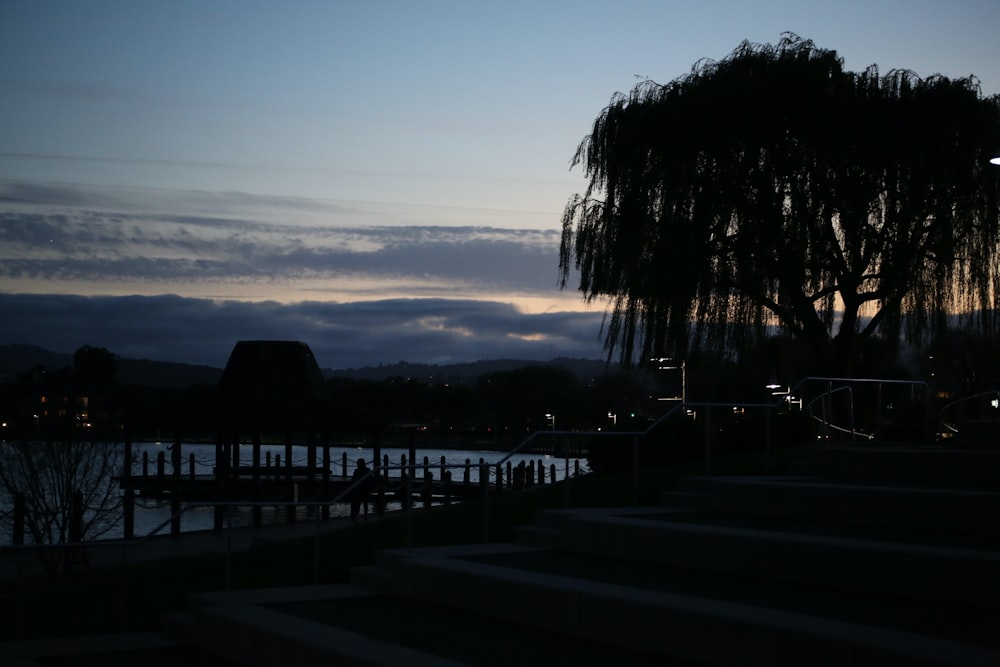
(110, 601)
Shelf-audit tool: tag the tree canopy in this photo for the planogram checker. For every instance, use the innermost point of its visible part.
(773, 190)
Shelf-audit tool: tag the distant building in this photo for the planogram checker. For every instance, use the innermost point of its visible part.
(271, 383)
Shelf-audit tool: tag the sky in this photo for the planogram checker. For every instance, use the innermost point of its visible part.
(383, 181)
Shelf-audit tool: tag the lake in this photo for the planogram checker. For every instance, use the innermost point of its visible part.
(154, 515)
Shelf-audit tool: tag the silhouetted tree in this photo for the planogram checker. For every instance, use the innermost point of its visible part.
(775, 190)
(94, 366)
(49, 474)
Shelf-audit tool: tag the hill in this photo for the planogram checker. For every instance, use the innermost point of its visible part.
(467, 372)
(16, 360)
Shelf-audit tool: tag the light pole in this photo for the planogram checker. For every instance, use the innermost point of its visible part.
(552, 420)
(669, 364)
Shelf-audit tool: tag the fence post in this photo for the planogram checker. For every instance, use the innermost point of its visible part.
(176, 457)
(326, 473)
(565, 444)
(311, 455)
(175, 500)
(316, 555)
(376, 475)
(486, 501)
(128, 516)
(288, 455)
(708, 440)
(878, 411)
(20, 511)
(767, 441)
(407, 502)
(635, 471)
(220, 480)
(76, 518)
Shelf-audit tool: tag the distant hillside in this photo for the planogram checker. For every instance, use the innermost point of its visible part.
(17, 359)
(468, 372)
(147, 373)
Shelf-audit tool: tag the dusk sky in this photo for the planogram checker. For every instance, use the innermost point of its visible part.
(383, 181)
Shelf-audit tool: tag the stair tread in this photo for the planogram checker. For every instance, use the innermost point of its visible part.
(461, 635)
(856, 531)
(969, 624)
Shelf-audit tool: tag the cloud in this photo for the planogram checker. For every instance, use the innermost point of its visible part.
(146, 250)
(341, 335)
(96, 266)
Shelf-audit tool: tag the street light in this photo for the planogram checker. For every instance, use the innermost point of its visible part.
(552, 420)
(784, 391)
(669, 364)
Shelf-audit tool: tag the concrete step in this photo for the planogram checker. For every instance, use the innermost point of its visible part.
(935, 466)
(685, 500)
(682, 613)
(850, 562)
(349, 625)
(928, 509)
(118, 650)
(550, 537)
(945, 567)
(818, 469)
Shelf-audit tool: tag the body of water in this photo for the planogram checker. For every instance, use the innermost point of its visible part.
(152, 515)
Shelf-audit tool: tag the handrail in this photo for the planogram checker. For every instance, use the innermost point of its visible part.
(827, 424)
(848, 381)
(952, 428)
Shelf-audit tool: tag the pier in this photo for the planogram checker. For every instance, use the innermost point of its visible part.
(271, 404)
(174, 475)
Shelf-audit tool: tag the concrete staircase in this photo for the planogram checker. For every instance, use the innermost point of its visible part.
(859, 557)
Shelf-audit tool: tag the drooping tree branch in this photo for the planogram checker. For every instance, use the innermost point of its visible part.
(775, 188)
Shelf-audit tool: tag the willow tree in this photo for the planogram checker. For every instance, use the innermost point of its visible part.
(775, 191)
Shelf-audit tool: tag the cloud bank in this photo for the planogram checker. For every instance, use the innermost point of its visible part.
(182, 276)
(341, 335)
(63, 239)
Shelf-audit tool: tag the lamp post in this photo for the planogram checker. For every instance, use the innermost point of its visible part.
(669, 364)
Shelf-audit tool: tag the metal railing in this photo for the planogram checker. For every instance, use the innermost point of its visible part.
(835, 385)
(953, 428)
